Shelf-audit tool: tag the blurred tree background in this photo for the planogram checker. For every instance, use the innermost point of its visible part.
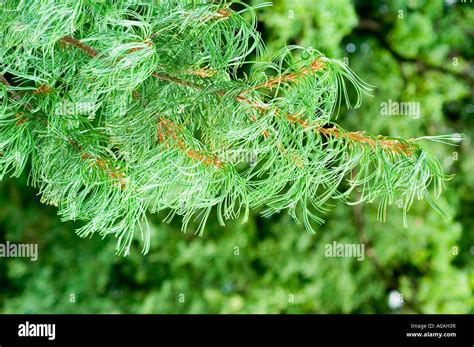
(413, 51)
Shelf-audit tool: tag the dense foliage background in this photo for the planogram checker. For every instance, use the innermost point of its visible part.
(413, 51)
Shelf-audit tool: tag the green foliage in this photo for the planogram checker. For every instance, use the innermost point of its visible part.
(259, 267)
(308, 23)
(164, 104)
(271, 265)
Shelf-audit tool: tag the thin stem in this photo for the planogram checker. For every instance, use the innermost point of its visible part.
(100, 163)
(394, 146)
(193, 154)
(316, 65)
(69, 40)
(167, 127)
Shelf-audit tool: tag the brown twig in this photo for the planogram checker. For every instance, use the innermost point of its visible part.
(179, 81)
(101, 163)
(166, 128)
(190, 152)
(43, 89)
(69, 40)
(4, 81)
(222, 13)
(148, 42)
(394, 146)
(316, 65)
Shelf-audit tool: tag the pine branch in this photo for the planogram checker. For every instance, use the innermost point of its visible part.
(167, 125)
(69, 40)
(100, 163)
(317, 65)
(201, 157)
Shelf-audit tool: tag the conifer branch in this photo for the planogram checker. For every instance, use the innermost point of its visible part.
(100, 163)
(69, 40)
(166, 128)
(316, 65)
(190, 152)
(165, 115)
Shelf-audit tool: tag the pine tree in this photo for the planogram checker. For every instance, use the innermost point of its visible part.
(126, 108)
